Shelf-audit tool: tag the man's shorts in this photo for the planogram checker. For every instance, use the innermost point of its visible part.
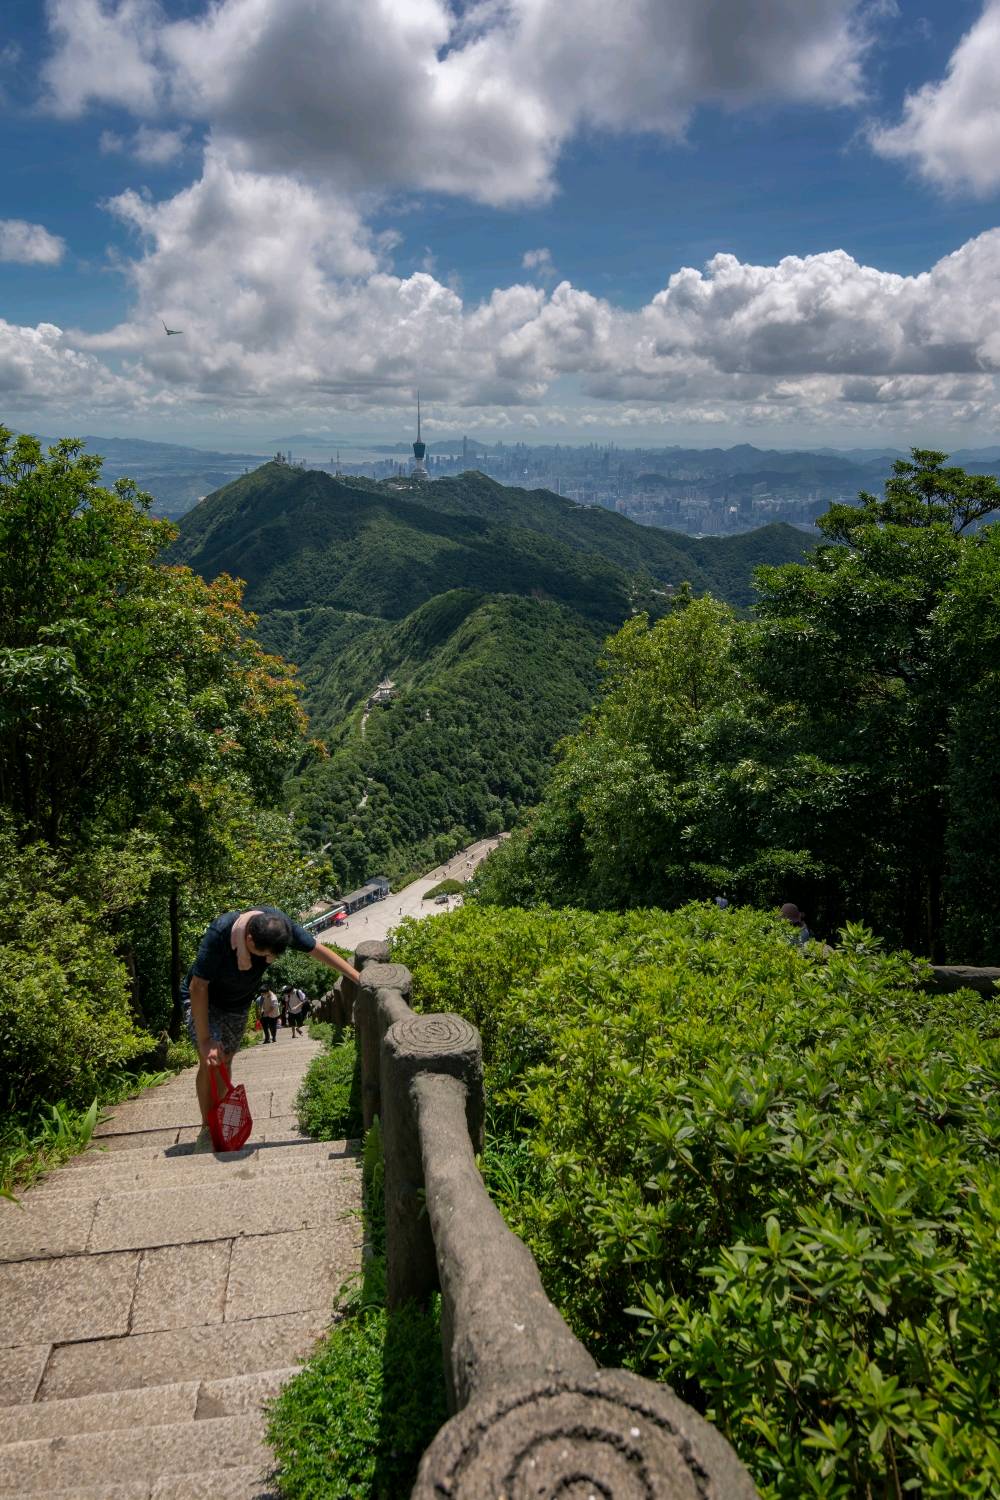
(224, 1026)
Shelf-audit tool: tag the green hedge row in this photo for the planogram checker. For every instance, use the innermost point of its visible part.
(766, 1175)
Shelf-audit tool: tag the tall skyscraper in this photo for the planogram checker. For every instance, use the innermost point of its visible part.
(419, 449)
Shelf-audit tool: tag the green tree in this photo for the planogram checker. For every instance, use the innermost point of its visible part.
(139, 719)
(832, 751)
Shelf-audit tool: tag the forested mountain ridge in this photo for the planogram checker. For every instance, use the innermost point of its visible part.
(301, 539)
(487, 606)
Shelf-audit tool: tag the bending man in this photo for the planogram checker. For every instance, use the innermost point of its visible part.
(221, 984)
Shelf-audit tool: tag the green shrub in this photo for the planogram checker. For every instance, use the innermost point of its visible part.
(769, 1176)
(447, 887)
(36, 1143)
(182, 1054)
(328, 1103)
(354, 1424)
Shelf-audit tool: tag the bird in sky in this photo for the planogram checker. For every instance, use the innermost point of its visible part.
(170, 331)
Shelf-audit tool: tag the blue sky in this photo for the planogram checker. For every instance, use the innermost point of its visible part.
(661, 221)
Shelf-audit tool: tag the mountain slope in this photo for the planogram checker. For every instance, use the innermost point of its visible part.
(485, 686)
(301, 540)
(485, 605)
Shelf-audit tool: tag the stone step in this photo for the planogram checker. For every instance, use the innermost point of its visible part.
(218, 1484)
(146, 1406)
(241, 1394)
(142, 1156)
(189, 1170)
(21, 1373)
(102, 1458)
(75, 1297)
(102, 1492)
(104, 1412)
(178, 1355)
(279, 1202)
(215, 1484)
(140, 1114)
(282, 1128)
(47, 1226)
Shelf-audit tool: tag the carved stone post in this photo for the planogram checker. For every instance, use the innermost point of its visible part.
(610, 1435)
(439, 1044)
(363, 1008)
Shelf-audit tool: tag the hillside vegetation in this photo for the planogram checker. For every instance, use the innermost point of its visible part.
(837, 750)
(144, 741)
(767, 1176)
(485, 605)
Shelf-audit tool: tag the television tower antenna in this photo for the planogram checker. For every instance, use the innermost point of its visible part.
(419, 449)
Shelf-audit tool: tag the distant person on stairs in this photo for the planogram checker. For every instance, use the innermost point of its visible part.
(220, 986)
(269, 1008)
(298, 1009)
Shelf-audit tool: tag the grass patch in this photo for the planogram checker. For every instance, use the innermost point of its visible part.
(354, 1423)
(32, 1145)
(328, 1103)
(444, 888)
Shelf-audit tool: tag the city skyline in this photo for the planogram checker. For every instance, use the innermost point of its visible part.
(671, 223)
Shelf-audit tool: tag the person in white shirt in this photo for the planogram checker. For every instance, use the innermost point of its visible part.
(297, 1010)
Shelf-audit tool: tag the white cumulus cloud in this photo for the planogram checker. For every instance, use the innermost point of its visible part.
(30, 244)
(412, 93)
(950, 130)
(105, 52)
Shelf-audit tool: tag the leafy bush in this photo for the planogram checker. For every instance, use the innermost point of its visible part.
(769, 1176)
(444, 888)
(34, 1144)
(354, 1424)
(65, 1022)
(329, 1101)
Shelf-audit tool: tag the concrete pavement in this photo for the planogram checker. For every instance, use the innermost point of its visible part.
(377, 921)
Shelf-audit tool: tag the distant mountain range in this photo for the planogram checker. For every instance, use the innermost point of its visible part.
(178, 477)
(175, 476)
(486, 606)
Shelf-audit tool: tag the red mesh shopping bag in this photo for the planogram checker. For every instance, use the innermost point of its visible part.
(229, 1119)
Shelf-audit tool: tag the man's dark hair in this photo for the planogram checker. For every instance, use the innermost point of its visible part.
(271, 932)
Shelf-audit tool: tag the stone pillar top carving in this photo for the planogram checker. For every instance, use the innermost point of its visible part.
(438, 1035)
(613, 1436)
(385, 976)
(371, 951)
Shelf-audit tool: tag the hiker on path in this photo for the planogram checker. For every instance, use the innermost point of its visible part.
(298, 1009)
(269, 1010)
(220, 985)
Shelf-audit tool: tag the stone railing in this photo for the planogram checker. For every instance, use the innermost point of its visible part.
(532, 1414)
(951, 977)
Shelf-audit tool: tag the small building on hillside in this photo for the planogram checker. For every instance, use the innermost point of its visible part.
(383, 694)
(373, 890)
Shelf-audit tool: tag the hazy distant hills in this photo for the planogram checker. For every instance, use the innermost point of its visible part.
(175, 476)
(486, 605)
(178, 477)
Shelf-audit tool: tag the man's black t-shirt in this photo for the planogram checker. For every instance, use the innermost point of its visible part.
(229, 986)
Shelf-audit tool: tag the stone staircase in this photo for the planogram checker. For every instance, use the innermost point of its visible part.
(151, 1300)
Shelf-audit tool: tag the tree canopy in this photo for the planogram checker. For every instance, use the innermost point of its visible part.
(142, 729)
(833, 751)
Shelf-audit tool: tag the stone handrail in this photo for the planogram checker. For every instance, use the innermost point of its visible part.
(951, 977)
(532, 1414)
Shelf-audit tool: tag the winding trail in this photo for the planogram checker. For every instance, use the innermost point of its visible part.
(153, 1299)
